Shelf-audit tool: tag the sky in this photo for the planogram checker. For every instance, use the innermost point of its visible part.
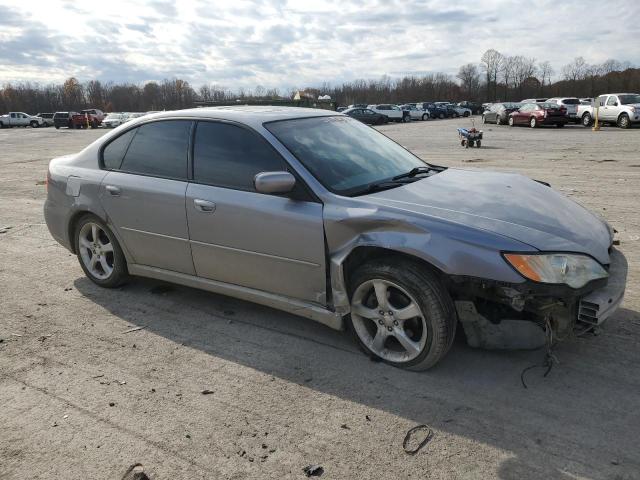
(291, 43)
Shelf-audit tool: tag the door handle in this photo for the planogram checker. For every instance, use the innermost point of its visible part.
(204, 205)
(113, 190)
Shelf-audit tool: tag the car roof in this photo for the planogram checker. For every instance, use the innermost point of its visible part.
(250, 114)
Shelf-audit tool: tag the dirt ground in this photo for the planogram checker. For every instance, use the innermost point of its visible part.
(80, 398)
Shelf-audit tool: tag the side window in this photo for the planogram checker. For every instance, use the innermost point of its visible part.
(612, 100)
(601, 100)
(229, 156)
(159, 149)
(115, 150)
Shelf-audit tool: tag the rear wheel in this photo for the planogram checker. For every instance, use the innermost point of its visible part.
(99, 253)
(401, 314)
(511, 122)
(586, 120)
(498, 121)
(623, 121)
(33, 124)
(466, 114)
(559, 125)
(424, 117)
(533, 123)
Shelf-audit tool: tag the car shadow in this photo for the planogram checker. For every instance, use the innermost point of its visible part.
(553, 427)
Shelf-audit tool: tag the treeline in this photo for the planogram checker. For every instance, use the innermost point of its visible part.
(495, 77)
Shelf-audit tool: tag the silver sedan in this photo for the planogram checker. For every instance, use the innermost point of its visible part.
(314, 213)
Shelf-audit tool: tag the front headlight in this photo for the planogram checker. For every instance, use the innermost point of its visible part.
(569, 269)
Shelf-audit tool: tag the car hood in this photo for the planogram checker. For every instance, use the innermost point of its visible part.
(508, 204)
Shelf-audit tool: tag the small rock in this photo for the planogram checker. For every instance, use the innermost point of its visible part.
(344, 426)
(368, 418)
(187, 436)
(207, 392)
(112, 404)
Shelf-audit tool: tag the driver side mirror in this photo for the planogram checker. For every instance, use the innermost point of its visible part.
(274, 182)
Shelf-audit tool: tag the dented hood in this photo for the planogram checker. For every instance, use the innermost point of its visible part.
(508, 204)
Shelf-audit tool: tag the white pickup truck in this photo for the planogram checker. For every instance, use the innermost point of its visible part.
(20, 119)
(622, 109)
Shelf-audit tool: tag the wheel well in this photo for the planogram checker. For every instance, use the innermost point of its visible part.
(361, 255)
(72, 227)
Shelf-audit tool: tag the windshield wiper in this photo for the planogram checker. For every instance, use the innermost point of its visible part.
(413, 172)
(377, 187)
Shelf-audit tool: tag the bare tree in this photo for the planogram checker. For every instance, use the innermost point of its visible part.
(470, 78)
(523, 70)
(545, 72)
(491, 63)
(576, 70)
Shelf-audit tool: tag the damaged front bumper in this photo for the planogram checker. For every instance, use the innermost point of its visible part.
(529, 315)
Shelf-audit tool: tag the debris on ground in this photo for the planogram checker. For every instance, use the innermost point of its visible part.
(409, 436)
(344, 426)
(134, 329)
(135, 472)
(207, 392)
(313, 470)
(368, 418)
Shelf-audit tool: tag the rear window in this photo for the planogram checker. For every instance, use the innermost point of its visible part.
(159, 149)
(571, 101)
(549, 106)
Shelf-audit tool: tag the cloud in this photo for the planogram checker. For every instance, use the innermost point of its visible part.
(284, 43)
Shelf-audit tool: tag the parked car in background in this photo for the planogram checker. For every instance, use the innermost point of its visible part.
(571, 104)
(20, 119)
(113, 120)
(538, 114)
(586, 101)
(435, 111)
(95, 116)
(361, 234)
(461, 111)
(414, 112)
(128, 116)
(67, 119)
(393, 112)
(47, 119)
(359, 105)
(621, 109)
(533, 100)
(498, 113)
(476, 108)
(341, 109)
(366, 115)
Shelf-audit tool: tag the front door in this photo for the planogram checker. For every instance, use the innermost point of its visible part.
(144, 193)
(265, 242)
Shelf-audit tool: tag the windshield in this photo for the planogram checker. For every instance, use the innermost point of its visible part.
(629, 99)
(342, 153)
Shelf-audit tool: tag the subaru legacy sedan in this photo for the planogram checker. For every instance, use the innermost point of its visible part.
(314, 213)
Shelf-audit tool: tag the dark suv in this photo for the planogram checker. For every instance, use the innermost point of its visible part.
(64, 119)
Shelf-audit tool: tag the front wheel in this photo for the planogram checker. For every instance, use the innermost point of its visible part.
(99, 253)
(623, 121)
(466, 114)
(401, 314)
(424, 117)
(586, 120)
(511, 122)
(533, 123)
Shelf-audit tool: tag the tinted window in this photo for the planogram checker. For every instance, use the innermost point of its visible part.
(159, 149)
(571, 101)
(612, 100)
(115, 150)
(229, 156)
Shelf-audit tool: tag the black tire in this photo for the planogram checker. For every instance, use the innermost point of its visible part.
(441, 116)
(1, 125)
(511, 122)
(33, 124)
(478, 143)
(94, 124)
(586, 120)
(559, 125)
(433, 300)
(120, 273)
(533, 122)
(466, 114)
(623, 121)
(57, 127)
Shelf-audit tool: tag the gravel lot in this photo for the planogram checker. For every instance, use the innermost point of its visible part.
(82, 399)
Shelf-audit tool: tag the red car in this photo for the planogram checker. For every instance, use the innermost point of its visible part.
(536, 114)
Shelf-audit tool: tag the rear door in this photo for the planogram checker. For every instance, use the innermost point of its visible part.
(144, 193)
(273, 243)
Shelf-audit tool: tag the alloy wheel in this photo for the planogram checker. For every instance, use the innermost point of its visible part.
(96, 250)
(388, 320)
